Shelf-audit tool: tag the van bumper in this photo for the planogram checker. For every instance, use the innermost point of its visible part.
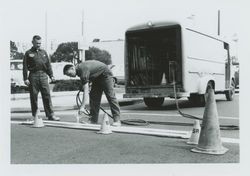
(154, 95)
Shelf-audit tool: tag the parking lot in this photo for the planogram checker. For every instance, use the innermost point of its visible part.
(51, 145)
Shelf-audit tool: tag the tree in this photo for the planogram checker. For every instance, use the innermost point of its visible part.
(13, 46)
(66, 52)
(96, 54)
(14, 54)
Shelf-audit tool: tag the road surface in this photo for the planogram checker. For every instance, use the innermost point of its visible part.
(50, 145)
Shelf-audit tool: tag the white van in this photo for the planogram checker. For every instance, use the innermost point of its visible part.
(158, 54)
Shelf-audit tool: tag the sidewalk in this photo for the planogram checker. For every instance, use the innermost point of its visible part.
(60, 100)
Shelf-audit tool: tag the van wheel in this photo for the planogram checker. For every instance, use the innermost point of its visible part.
(230, 93)
(200, 99)
(154, 102)
(197, 99)
(114, 81)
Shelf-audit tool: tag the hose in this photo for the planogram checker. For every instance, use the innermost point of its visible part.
(222, 127)
(177, 104)
(140, 122)
(79, 102)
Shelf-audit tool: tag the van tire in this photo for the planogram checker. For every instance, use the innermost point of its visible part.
(197, 99)
(230, 93)
(153, 102)
(200, 99)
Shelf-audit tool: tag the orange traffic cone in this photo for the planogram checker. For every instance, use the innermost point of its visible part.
(210, 142)
(38, 121)
(105, 127)
(195, 133)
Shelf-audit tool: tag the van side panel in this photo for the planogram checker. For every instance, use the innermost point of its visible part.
(204, 60)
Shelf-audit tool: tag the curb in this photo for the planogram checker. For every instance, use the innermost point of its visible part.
(26, 96)
(63, 108)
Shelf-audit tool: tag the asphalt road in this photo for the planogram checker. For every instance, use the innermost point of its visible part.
(50, 145)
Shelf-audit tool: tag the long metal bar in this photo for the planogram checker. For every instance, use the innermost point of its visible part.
(123, 129)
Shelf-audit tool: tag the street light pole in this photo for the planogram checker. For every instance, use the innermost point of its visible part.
(46, 32)
(81, 43)
(218, 22)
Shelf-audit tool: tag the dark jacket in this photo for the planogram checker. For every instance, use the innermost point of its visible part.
(36, 60)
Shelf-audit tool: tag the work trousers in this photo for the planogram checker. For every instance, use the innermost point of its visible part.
(39, 82)
(104, 83)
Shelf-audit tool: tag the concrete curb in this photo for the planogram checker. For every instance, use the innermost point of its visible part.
(24, 96)
(63, 108)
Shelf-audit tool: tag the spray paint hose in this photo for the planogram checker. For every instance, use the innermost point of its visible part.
(222, 127)
(140, 122)
(135, 122)
(177, 104)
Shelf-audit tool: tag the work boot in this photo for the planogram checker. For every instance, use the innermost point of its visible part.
(54, 118)
(30, 120)
(116, 122)
(91, 121)
(88, 121)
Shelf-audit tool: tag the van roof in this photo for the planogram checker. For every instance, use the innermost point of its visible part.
(159, 24)
(151, 24)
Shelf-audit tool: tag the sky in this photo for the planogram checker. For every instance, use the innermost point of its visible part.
(109, 19)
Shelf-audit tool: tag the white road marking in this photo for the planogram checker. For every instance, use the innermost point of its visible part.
(171, 115)
(231, 140)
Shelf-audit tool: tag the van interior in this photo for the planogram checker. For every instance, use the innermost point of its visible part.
(154, 56)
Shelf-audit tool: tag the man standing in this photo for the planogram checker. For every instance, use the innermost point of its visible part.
(100, 76)
(37, 62)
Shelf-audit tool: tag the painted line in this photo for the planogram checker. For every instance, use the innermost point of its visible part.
(231, 140)
(66, 112)
(173, 115)
(230, 118)
(18, 122)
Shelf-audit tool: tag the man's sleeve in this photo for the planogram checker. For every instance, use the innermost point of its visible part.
(85, 77)
(48, 65)
(25, 67)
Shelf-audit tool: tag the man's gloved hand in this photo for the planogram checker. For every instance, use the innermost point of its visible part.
(27, 82)
(83, 110)
(52, 79)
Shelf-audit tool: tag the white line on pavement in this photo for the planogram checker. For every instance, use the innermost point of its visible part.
(231, 140)
(171, 115)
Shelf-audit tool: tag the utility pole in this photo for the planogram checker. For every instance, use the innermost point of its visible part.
(82, 22)
(218, 22)
(46, 32)
(81, 43)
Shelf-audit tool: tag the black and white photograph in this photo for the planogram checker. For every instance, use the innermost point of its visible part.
(124, 87)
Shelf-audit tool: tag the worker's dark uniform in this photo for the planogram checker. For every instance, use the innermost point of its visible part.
(36, 61)
(101, 77)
